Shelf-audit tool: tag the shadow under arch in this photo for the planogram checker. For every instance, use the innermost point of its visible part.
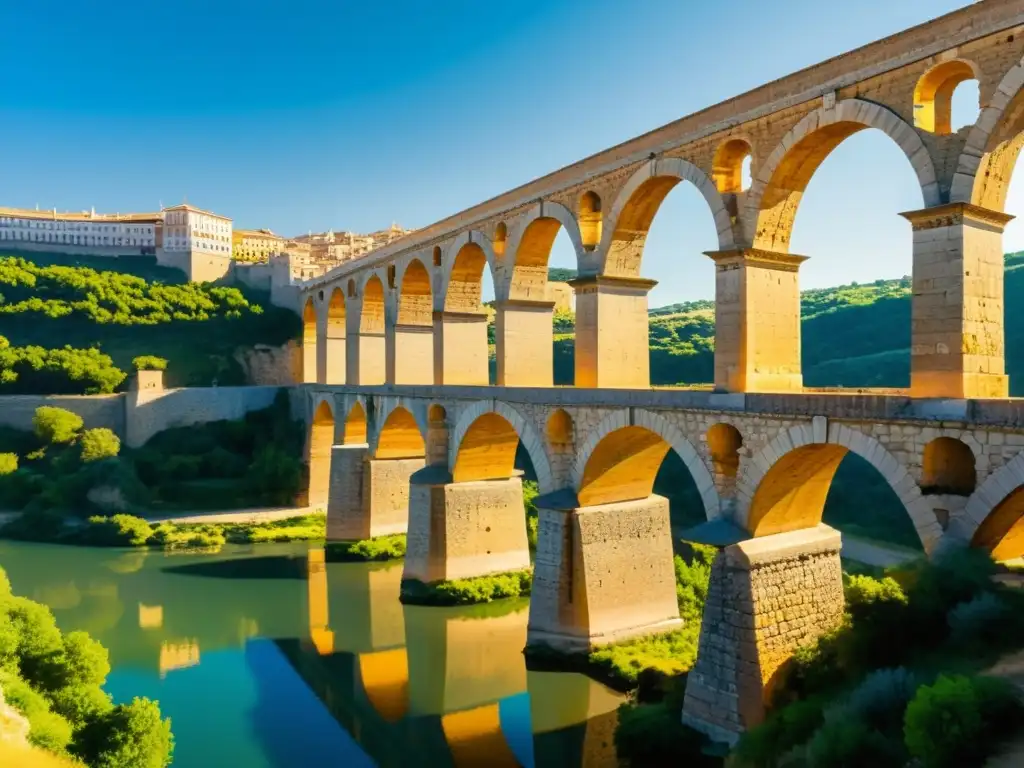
(318, 455)
(792, 493)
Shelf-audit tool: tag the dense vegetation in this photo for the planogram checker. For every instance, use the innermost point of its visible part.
(55, 680)
(482, 589)
(62, 471)
(900, 682)
(378, 548)
(140, 310)
(852, 336)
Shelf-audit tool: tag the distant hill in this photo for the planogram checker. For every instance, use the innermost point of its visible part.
(855, 335)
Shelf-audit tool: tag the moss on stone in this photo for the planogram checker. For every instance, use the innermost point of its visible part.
(375, 549)
(483, 589)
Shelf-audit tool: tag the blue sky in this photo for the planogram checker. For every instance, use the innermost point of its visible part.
(307, 115)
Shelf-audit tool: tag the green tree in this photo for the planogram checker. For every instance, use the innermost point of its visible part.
(128, 736)
(56, 425)
(149, 363)
(99, 443)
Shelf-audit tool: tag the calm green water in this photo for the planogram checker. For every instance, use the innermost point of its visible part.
(265, 657)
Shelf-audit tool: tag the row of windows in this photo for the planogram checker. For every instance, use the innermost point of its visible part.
(6, 221)
(46, 237)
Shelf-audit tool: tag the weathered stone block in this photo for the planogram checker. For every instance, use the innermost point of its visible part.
(783, 591)
(603, 574)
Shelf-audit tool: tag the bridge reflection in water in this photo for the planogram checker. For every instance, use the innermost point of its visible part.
(441, 686)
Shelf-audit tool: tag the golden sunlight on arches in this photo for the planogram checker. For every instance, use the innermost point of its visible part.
(948, 467)
(355, 426)
(416, 301)
(724, 443)
(465, 285)
(1002, 532)
(634, 223)
(309, 342)
(791, 496)
(784, 191)
(372, 318)
(933, 95)
(590, 220)
(727, 169)
(560, 430)
(318, 455)
(993, 177)
(500, 238)
(475, 738)
(400, 437)
(335, 352)
(487, 450)
(530, 269)
(622, 467)
(385, 677)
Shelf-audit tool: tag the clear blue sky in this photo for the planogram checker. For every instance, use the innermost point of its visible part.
(307, 115)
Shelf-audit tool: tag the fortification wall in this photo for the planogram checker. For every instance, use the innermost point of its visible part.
(16, 411)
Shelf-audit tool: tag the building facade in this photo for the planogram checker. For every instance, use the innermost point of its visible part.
(255, 244)
(196, 241)
(84, 232)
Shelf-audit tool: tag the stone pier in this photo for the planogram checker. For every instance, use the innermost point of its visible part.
(369, 497)
(605, 574)
(463, 530)
(767, 597)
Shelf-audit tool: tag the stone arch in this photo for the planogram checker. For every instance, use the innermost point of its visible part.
(371, 316)
(400, 436)
(415, 297)
(794, 496)
(993, 518)
(724, 443)
(727, 166)
(774, 195)
(437, 434)
(933, 94)
(531, 250)
(589, 216)
(355, 425)
(993, 145)
(309, 341)
(335, 338)
(463, 270)
(499, 240)
(638, 202)
(948, 467)
(621, 457)
(318, 454)
(485, 440)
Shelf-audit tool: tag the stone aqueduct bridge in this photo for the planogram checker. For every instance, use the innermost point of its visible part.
(406, 434)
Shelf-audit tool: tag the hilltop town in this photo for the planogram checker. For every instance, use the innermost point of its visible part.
(202, 244)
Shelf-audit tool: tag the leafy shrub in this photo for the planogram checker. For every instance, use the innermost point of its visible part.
(169, 536)
(782, 731)
(977, 620)
(377, 548)
(955, 721)
(34, 524)
(116, 531)
(530, 493)
(69, 371)
(692, 579)
(274, 475)
(880, 700)
(483, 589)
(128, 736)
(670, 654)
(652, 735)
(853, 744)
(8, 463)
(56, 425)
(149, 363)
(99, 443)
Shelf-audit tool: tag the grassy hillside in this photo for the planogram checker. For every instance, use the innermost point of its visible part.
(129, 307)
(853, 336)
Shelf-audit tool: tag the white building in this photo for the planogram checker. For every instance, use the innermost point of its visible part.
(196, 241)
(80, 233)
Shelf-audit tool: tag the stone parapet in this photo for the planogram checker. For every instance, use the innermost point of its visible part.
(603, 574)
(767, 597)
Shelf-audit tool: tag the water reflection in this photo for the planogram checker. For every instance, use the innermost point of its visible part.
(268, 656)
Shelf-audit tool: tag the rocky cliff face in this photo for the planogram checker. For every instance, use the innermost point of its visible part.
(265, 365)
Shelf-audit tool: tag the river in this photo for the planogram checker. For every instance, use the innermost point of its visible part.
(265, 657)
